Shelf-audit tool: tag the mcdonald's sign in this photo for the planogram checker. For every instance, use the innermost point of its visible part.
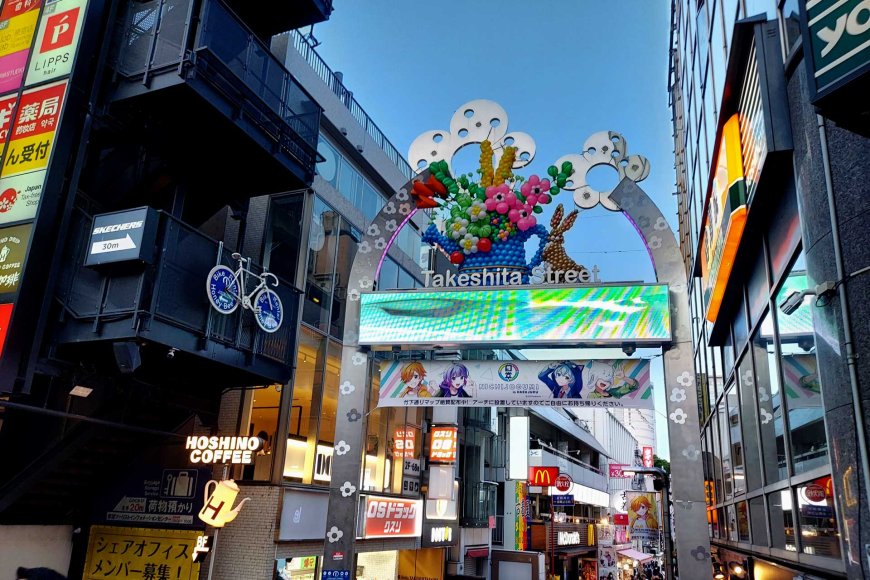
(543, 476)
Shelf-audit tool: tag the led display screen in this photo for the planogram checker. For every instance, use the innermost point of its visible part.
(588, 315)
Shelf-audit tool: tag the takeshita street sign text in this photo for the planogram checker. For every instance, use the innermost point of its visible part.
(542, 274)
(584, 383)
(536, 315)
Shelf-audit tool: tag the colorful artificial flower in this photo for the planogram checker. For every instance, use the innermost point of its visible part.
(536, 190)
(477, 211)
(500, 198)
(458, 228)
(523, 217)
(469, 244)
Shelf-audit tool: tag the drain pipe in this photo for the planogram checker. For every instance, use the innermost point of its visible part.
(851, 358)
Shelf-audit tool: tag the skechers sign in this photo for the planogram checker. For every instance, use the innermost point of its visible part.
(124, 236)
(579, 316)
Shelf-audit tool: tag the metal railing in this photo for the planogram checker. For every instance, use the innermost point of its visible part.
(478, 503)
(168, 291)
(157, 36)
(303, 46)
(498, 531)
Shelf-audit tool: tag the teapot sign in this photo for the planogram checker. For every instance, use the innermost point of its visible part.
(217, 510)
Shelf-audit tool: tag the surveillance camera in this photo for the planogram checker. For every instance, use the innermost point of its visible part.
(629, 349)
(792, 302)
(170, 354)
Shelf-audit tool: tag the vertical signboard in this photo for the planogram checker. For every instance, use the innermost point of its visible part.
(648, 456)
(38, 44)
(521, 538)
(725, 219)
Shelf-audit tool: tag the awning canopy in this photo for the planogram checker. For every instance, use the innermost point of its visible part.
(635, 555)
(477, 553)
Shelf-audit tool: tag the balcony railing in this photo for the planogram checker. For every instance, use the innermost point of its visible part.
(159, 36)
(478, 503)
(306, 50)
(166, 299)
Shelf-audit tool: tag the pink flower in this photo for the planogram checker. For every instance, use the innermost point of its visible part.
(500, 198)
(535, 190)
(523, 216)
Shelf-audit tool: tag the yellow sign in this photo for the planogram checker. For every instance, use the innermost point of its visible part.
(28, 154)
(725, 220)
(140, 553)
(423, 564)
(18, 33)
(218, 509)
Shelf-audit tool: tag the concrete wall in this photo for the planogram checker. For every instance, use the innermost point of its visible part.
(34, 547)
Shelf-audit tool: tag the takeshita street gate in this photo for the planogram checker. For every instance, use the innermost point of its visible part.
(485, 122)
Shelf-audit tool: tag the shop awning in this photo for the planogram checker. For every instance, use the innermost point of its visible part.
(477, 553)
(565, 554)
(635, 555)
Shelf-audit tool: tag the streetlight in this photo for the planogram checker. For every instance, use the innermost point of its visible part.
(662, 475)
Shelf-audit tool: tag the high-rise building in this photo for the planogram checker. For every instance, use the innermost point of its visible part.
(770, 112)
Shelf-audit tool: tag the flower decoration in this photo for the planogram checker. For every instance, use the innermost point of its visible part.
(373, 230)
(500, 199)
(655, 243)
(342, 447)
(346, 388)
(334, 535)
(469, 244)
(477, 211)
(763, 397)
(660, 224)
(358, 359)
(353, 294)
(380, 243)
(353, 416)
(685, 379)
(522, 216)
(364, 247)
(391, 225)
(691, 453)
(347, 489)
(679, 417)
(766, 416)
(458, 228)
(536, 190)
(678, 395)
(365, 282)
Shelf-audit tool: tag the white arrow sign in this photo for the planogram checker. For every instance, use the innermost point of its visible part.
(116, 245)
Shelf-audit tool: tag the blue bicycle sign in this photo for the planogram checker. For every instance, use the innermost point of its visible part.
(226, 290)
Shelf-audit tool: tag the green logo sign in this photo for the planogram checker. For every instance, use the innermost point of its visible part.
(839, 35)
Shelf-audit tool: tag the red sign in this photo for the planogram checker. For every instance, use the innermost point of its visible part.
(404, 443)
(7, 104)
(442, 448)
(543, 476)
(39, 111)
(616, 471)
(387, 517)
(815, 492)
(491, 522)
(647, 456)
(620, 519)
(60, 29)
(18, 7)
(5, 315)
(563, 483)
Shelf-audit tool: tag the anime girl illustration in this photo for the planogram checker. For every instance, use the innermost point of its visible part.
(564, 378)
(455, 382)
(641, 514)
(413, 376)
(598, 377)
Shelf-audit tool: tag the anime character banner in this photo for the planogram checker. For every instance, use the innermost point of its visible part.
(584, 383)
(643, 515)
(607, 564)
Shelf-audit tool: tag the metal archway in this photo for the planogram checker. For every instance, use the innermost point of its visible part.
(691, 534)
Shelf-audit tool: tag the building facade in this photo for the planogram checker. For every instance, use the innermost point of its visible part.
(771, 166)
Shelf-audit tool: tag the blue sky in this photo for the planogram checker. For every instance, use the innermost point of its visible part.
(562, 69)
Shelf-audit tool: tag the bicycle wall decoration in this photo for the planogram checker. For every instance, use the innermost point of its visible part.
(227, 289)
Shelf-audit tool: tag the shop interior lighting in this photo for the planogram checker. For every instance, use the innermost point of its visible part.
(80, 391)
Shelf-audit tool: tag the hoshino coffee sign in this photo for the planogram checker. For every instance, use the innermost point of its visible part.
(235, 450)
(542, 274)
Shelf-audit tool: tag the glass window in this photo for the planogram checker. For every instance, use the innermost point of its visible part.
(350, 184)
(758, 289)
(372, 201)
(328, 169)
(305, 409)
(348, 240)
(389, 276)
(728, 355)
(752, 465)
(718, 56)
(263, 423)
(703, 34)
(713, 522)
(819, 533)
(766, 7)
(758, 521)
(732, 522)
(729, 14)
(791, 24)
(741, 330)
(733, 405)
(800, 375)
(320, 276)
(781, 520)
(769, 399)
(714, 372)
(326, 434)
(784, 234)
(373, 475)
(284, 238)
(724, 430)
(742, 522)
(717, 458)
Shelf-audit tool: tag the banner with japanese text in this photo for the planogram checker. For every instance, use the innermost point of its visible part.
(643, 515)
(585, 383)
(140, 553)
